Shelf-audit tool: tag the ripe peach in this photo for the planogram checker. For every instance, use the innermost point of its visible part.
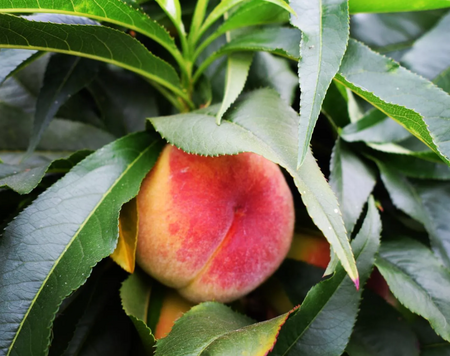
(213, 228)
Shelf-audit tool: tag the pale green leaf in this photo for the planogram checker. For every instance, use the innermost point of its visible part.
(414, 102)
(325, 29)
(238, 66)
(417, 280)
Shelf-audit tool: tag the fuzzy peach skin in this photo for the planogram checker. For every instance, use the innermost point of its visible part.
(213, 227)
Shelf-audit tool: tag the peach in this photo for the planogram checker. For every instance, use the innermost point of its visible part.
(214, 228)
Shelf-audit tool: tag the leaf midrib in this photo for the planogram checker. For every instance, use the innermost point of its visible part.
(71, 241)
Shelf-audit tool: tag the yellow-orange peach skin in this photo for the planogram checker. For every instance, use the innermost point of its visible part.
(213, 228)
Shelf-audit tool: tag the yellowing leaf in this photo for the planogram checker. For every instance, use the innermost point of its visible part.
(125, 253)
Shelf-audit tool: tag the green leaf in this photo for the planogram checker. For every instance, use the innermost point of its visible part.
(264, 124)
(335, 106)
(135, 295)
(396, 5)
(173, 9)
(238, 66)
(381, 331)
(352, 180)
(324, 322)
(409, 99)
(99, 305)
(61, 135)
(274, 72)
(214, 329)
(277, 40)
(425, 202)
(95, 42)
(112, 11)
(392, 33)
(251, 13)
(11, 60)
(325, 29)
(430, 54)
(226, 5)
(50, 248)
(124, 99)
(415, 167)
(65, 76)
(374, 127)
(23, 178)
(417, 280)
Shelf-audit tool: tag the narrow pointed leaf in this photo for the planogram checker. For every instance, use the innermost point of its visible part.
(50, 248)
(325, 320)
(95, 42)
(414, 102)
(226, 5)
(135, 295)
(264, 124)
(112, 11)
(277, 40)
(425, 202)
(238, 66)
(23, 178)
(214, 329)
(325, 29)
(125, 253)
(64, 77)
(352, 180)
(424, 289)
(11, 59)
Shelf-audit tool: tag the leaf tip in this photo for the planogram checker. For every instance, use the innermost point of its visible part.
(356, 282)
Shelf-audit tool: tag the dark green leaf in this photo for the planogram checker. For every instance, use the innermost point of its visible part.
(335, 106)
(96, 42)
(23, 178)
(62, 135)
(214, 329)
(325, 29)
(381, 331)
(135, 295)
(417, 280)
(409, 99)
(124, 99)
(352, 180)
(11, 59)
(323, 324)
(430, 54)
(278, 40)
(65, 76)
(264, 124)
(112, 11)
(50, 248)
